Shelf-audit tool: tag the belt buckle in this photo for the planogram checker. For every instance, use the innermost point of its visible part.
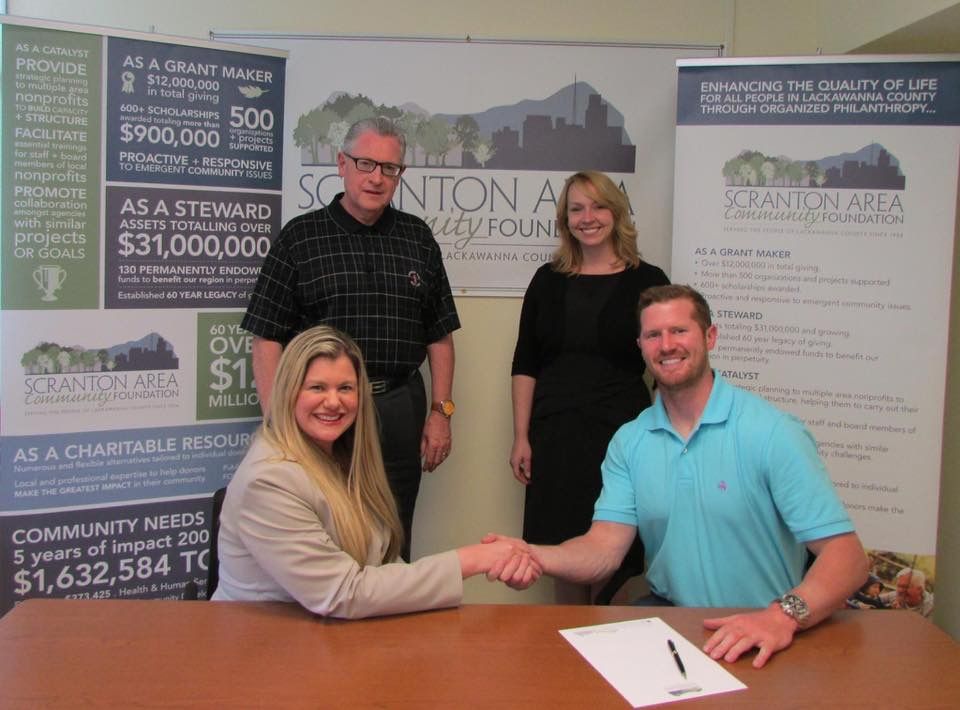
(379, 386)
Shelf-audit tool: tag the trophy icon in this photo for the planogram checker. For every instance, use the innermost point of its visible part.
(49, 279)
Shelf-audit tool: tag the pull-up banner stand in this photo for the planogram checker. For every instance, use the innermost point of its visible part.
(140, 191)
(815, 208)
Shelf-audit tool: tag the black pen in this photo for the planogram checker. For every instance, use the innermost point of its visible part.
(676, 658)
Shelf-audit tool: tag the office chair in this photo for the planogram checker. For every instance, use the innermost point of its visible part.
(190, 590)
(632, 565)
(623, 575)
(213, 560)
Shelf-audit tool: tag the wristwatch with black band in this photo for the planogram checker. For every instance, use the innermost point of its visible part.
(446, 407)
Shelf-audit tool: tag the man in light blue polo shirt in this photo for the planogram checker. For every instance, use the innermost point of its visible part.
(728, 494)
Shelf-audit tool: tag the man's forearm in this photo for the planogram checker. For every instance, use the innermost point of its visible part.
(839, 570)
(588, 558)
(266, 356)
(440, 355)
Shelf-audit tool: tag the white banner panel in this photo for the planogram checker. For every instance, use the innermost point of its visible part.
(815, 207)
(493, 129)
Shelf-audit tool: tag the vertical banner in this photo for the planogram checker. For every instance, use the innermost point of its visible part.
(140, 192)
(50, 169)
(493, 129)
(815, 209)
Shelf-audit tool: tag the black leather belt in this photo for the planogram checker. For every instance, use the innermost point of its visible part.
(385, 384)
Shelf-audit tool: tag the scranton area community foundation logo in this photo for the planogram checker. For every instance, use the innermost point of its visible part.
(863, 187)
(69, 375)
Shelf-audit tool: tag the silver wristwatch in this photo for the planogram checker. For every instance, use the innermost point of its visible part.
(795, 607)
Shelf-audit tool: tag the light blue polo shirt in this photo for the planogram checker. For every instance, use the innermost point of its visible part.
(724, 515)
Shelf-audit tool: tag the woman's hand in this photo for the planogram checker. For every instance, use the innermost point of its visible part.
(520, 460)
(521, 391)
(508, 560)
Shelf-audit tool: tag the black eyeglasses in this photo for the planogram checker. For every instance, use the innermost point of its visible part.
(366, 165)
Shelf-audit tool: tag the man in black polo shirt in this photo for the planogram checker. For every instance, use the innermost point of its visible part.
(376, 273)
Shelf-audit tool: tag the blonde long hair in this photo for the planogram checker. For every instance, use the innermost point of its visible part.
(569, 256)
(353, 480)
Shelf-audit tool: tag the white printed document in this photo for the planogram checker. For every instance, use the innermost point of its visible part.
(637, 660)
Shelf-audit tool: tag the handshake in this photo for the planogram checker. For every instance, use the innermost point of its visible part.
(508, 559)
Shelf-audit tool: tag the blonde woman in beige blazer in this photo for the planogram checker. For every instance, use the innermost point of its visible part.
(308, 515)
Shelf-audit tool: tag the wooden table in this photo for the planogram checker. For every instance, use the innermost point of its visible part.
(125, 654)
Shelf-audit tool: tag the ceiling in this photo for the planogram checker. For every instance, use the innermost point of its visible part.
(937, 34)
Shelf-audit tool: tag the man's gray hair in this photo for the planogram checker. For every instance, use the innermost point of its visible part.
(916, 578)
(382, 126)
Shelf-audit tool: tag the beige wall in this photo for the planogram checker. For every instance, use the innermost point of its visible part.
(844, 26)
(474, 491)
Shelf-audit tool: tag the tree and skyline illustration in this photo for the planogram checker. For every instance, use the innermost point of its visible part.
(871, 167)
(571, 129)
(151, 352)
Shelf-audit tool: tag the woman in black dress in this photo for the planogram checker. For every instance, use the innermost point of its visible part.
(577, 370)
